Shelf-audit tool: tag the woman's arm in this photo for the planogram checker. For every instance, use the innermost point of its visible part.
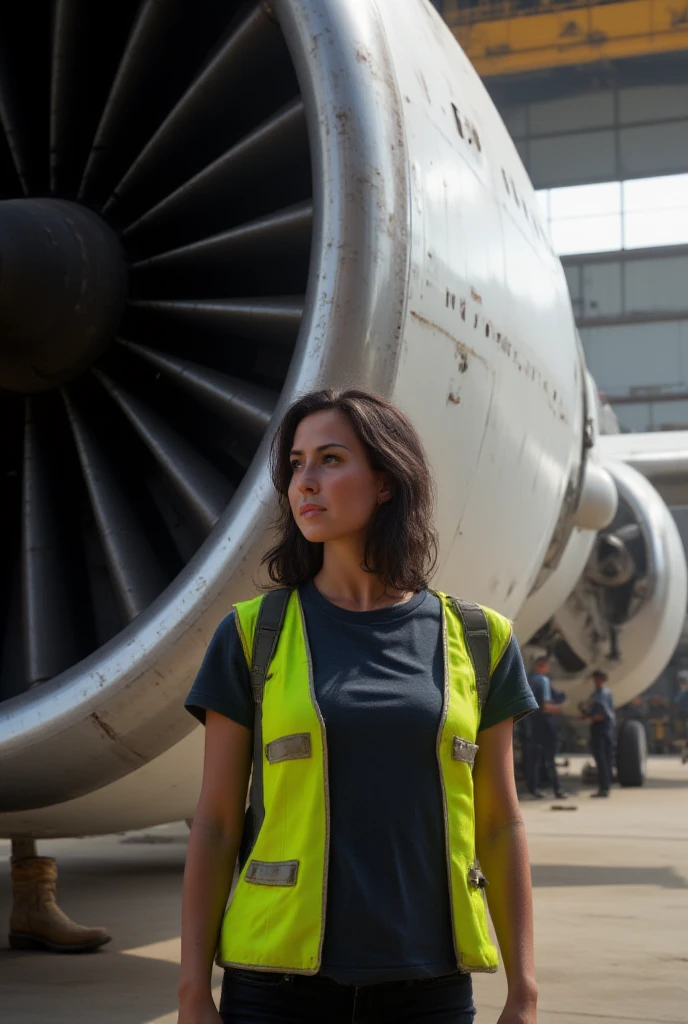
(211, 859)
(503, 855)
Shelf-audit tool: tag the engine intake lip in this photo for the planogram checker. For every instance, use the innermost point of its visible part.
(122, 705)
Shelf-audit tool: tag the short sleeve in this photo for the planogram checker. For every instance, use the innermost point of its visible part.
(223, 683)
(510, 695)
(538, 687)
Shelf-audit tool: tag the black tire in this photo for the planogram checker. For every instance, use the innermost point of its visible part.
(631, 754)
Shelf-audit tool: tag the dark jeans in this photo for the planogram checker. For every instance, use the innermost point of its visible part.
(254, 997)
(603, 752)
(541, 753)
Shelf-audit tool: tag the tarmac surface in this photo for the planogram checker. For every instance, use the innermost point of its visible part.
(611, 906)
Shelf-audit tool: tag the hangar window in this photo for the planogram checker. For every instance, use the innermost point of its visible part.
(656, 211)
(609, 216)
(584, 218)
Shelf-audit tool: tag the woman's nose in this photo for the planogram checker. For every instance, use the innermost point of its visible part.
(308, 483)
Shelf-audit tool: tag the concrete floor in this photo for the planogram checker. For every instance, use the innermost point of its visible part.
(611, 898)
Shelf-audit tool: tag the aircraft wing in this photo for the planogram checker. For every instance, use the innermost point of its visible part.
(661, 457)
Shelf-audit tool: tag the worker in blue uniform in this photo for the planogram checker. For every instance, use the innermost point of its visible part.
(542, 731)
(681, 711)
(599, 710)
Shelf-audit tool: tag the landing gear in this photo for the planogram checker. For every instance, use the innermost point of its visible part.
(631, 754)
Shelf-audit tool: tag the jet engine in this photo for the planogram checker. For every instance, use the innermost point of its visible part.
(628, 607)
(207, 208)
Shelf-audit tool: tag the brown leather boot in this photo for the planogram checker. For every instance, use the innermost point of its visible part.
(36, 921)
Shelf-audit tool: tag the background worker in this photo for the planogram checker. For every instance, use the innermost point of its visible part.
(599, 710)
(541, 737)
(681, 712)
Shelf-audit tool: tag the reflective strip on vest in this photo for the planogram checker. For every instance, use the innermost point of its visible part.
(276, 918)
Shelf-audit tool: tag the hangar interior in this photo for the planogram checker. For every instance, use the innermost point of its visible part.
(595, 97)
(610, 164)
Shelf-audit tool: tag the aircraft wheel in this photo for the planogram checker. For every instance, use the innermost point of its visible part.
(631, 754)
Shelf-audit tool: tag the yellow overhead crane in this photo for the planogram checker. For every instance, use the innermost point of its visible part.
(513, 36)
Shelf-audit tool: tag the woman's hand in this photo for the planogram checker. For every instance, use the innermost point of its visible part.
(198, 1011)
(519, 1011)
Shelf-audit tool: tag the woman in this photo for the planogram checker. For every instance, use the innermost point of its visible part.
(360, 897)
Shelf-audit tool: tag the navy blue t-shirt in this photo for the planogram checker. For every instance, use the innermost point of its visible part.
(379, 683)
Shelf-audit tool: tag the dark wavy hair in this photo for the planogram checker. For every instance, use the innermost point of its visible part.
(401, 547)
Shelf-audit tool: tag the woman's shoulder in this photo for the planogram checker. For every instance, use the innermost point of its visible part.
(499, 627)
(501, 635)
(223, 683)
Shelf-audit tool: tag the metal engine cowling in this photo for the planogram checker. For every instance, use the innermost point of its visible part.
(136, 485)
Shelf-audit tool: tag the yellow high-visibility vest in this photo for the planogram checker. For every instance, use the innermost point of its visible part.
(276, 918)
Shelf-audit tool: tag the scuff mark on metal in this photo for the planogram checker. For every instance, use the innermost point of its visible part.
(422, 81)
(123, 749)
(457, 532)
(465, 350)
(481, 321)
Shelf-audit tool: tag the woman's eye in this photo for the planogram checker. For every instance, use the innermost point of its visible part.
(335, 458)
(295, 464)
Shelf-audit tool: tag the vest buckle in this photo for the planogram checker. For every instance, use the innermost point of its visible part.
(476, 879)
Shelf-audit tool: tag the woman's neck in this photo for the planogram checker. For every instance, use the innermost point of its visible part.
(344, 582)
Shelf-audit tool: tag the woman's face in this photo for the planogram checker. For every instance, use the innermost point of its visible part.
(333, 491)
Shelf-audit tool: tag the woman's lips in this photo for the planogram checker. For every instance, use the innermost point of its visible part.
(310, 510)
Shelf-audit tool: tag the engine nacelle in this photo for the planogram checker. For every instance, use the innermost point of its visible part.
(593, 500)
(626, 614)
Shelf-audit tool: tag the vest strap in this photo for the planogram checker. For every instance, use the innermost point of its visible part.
(268, 628)
(477, 633)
